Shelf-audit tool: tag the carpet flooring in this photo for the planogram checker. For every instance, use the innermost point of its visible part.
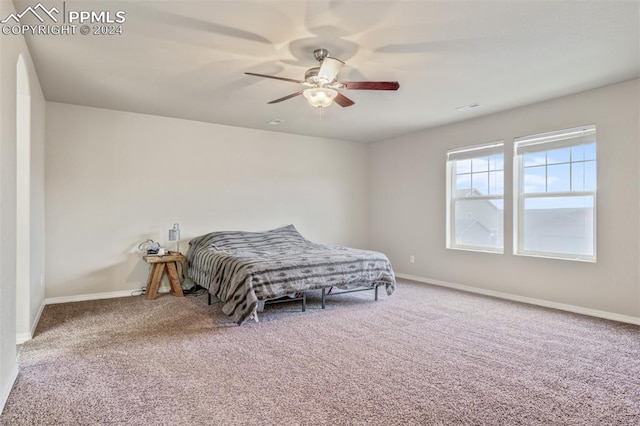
(423, 356)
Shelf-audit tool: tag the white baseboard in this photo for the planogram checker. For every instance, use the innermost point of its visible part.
(24, 337)
(7, 389)
(530, 300)
(92, 296)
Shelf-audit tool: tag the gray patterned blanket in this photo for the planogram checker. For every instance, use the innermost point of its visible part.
(240, 268)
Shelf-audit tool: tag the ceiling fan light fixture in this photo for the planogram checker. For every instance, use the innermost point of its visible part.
(320, 97)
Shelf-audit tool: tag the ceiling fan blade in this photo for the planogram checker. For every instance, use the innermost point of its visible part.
(371, 85)
(275, 78)
(293, 95)
(329, 69)
(342, 100)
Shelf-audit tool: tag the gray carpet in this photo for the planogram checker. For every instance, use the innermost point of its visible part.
(424, 356)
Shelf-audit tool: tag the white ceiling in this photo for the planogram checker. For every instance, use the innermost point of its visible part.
(186, 59)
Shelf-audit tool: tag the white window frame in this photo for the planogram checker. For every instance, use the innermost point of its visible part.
(464, 153)
(541, 142)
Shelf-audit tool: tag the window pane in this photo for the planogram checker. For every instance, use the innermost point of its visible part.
(535, 159)
(560, 155)
(577, 177)
(535, 179)
(463, 182)
(480, 182)
(558, 178)
(496, 162)
(570, 201)
(590, 151)
(480, 164)
(577, 153)
(562, 225)
(583, 152)
(496, 183)
(463, 166)
(499, 204)
(478, 223)
(590, 176)
(583, 176)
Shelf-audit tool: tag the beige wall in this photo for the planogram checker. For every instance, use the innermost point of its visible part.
(407, 204)
(37, 205)
(30, 151)
(114, 179)
(11, 47)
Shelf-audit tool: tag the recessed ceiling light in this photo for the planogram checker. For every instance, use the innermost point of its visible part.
(467, 107)
(275, 122)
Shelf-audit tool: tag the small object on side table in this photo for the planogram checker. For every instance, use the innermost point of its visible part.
(159, 265)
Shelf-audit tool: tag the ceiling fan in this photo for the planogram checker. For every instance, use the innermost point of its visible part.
(322, 83)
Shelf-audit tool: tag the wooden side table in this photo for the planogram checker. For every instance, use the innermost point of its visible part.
(159, 265)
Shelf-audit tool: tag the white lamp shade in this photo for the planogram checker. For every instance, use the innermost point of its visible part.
(174, 233)
(329, 69)
(320, 97)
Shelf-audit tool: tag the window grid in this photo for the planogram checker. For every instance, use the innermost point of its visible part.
(580, 192)
(570, 163)
(476, 198)
(474, 175)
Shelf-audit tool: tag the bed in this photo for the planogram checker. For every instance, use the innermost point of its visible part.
(242, 269)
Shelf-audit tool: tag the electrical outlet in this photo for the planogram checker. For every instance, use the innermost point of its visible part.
(412, 259)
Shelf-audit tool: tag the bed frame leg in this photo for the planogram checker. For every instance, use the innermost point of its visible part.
(377, 292)
(324, 296)
(209, 298)
(304, 302)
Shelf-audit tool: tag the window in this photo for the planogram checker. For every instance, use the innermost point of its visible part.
(475, 197)
(555, 199)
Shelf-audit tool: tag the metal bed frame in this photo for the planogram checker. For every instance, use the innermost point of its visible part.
(303, 296)
(326, 293)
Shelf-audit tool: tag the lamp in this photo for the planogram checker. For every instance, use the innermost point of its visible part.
(320, 97)
(174, 235)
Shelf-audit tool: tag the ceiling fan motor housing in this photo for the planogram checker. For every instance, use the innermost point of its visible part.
(320, 54)
(311, 75)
